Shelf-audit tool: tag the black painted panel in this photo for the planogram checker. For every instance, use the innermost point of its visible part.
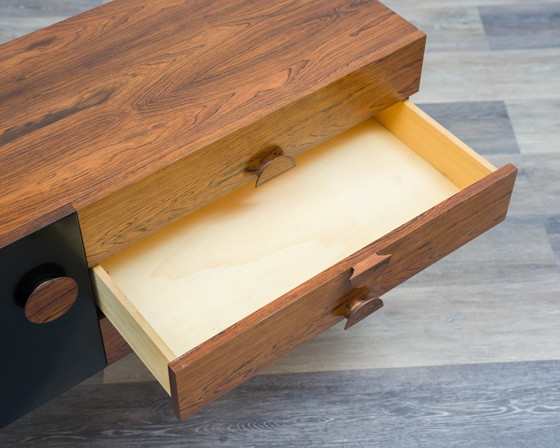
(39, 361)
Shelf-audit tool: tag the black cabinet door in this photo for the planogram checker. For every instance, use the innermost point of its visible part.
(40, 360)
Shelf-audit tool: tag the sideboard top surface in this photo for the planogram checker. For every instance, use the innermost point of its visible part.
(101, 100)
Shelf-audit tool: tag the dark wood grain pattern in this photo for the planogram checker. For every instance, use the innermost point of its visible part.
(114, 344)
(107, 98)
(132, 213)
(51, 299)
(223, 362)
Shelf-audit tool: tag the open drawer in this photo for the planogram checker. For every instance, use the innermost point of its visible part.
(220, 294)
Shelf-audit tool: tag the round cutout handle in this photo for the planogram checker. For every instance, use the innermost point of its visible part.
(51, 299)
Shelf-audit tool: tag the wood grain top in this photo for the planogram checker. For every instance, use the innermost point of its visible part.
(101, 100)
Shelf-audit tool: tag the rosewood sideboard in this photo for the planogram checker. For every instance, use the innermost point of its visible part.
(211, 184)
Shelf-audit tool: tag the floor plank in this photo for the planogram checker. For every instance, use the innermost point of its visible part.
(14, 27)
(536, 124)
(20, 17)
(483, 125)
(534, 25)
(448, 29)
(490, 76)
(429, 4)
(543, 173)
(483, 406)
(553, 232)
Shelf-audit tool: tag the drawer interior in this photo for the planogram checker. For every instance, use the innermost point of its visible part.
(185, 284)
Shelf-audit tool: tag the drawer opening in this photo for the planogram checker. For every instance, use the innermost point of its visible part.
(187, 283)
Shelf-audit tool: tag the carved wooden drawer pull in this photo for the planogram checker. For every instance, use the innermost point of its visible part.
(361, 309)
(272, 168)
(364, 276)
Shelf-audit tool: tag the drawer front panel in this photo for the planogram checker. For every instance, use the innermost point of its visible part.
(115, 222)
(217, 366)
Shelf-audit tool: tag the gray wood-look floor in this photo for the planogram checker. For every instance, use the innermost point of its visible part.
(466, 354)
(474, 405)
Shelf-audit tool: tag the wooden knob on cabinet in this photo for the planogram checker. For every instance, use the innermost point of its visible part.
(51, 299)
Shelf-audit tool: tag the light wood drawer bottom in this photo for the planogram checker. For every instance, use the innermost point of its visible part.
(211, 299)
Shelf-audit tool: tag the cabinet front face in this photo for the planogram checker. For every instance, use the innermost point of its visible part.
(49, 334)
(213, 298)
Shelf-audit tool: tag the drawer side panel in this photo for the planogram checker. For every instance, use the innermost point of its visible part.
(131, 325)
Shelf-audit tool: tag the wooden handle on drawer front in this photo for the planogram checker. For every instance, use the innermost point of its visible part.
(271, 169)
(364, 272)
(361, 309)
(363, 275)
(269, 163)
